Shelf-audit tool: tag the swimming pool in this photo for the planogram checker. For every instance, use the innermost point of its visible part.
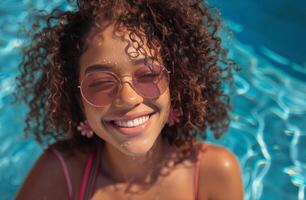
(269, 116)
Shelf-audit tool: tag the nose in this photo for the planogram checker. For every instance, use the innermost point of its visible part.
(127, 96)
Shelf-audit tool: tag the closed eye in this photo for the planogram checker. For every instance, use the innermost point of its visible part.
(101, 83)
(150, 75)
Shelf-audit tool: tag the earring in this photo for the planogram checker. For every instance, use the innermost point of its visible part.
(174, 116)
(85, 129)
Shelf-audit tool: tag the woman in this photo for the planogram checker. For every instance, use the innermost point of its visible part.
(120, 92)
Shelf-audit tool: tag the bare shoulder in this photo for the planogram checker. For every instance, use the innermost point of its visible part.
(45, 180)
(220, 175)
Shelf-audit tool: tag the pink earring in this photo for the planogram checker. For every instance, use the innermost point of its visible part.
(85, 129)
(174, 116)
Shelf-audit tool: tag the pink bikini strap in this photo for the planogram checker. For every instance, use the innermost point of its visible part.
(197, 173)
(86, 176)
(66, 172)
(96, 170)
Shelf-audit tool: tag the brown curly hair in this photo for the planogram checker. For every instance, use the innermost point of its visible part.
(183, 32)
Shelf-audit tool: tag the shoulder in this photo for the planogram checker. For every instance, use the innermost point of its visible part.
(45, 177)
(218, 158)
(220, 173)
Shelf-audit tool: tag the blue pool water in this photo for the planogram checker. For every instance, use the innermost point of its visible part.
(269, 121)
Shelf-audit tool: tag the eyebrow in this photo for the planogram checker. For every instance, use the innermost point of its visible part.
(108, 67)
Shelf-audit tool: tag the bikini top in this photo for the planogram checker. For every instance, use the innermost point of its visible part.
(91, 171)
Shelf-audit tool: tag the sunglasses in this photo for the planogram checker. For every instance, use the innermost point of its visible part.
(102, 87)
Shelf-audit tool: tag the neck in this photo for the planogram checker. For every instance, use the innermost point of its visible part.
(124, 168)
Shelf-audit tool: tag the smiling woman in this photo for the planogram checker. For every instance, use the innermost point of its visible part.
(142, 80)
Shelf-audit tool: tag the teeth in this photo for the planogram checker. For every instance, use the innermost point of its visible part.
(132, 123)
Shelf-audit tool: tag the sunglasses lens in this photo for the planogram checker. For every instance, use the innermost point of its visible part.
(100, 88)
(150, 82)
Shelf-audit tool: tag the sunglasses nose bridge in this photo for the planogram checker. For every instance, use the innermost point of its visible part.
(127, 96)
(126, 79)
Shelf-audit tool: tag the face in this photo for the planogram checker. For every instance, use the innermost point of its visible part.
(130, 122)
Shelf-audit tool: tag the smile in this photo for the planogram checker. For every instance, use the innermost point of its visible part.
(133, 123)
(132, 127)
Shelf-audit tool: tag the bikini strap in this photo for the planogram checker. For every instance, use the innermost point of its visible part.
(66, 172)
(197, 172)
(90, 175)
(95, 173)
(86, 174)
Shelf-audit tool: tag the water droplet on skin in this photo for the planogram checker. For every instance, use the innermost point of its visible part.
(171, 163)
(124, 145)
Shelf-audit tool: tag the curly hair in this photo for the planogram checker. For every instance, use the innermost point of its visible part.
(183, 32)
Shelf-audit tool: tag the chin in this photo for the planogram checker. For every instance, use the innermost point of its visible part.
(136, 148)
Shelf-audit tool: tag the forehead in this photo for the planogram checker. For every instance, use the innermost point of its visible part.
(112, 47)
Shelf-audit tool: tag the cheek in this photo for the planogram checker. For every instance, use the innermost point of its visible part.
(165, 98)
(164, 105)
(94, 115)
